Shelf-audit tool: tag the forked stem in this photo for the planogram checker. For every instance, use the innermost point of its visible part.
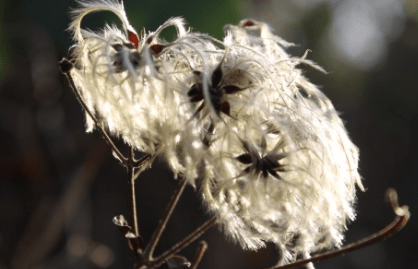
(402, 217)
(163, 222)
(130, 162)
(203, 246)
(155, 263)
(135, 167)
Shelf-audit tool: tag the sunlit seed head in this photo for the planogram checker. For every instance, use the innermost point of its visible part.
(273, 159)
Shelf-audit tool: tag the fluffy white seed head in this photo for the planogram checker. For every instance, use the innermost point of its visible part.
(236, 118)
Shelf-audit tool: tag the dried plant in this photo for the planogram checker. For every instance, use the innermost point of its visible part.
(234, 118)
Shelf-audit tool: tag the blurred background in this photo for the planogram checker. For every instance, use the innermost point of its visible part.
(60, 187)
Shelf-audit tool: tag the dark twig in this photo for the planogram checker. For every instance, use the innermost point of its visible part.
(142, 164)
(146, 260)
(131, 172)
(203, 246)
(401, 219)
(130, 162)
(66, 67)
(163, 222)
(181, 245)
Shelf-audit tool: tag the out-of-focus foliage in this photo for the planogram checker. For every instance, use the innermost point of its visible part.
(42, 142)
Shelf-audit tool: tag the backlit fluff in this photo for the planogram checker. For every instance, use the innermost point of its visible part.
(236, 118)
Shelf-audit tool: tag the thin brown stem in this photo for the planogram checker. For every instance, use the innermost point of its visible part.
(203, 246)
(401, 219)
(182, 244)
(98, 125)
(142, 164)
(163, 222)
(131, 172)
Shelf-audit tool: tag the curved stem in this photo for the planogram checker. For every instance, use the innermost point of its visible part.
(401, 219)
(163, 222)
(203, 246)
(182, 244)
(131, 172)
(67, 73)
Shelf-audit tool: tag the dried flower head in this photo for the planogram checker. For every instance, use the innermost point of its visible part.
(235, 117)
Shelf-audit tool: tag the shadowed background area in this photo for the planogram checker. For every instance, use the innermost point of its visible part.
(60, 187)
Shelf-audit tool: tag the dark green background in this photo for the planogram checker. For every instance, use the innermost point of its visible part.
(43, 143)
